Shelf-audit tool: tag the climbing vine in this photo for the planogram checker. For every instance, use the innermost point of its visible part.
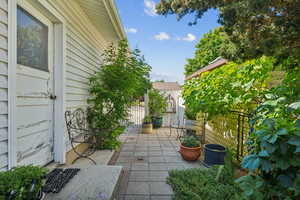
(274, 145)
(233, 87)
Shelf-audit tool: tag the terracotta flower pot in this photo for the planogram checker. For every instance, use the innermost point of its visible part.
(190, 154)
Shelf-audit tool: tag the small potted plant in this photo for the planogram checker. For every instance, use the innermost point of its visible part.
(22, 183)
(190, 148)
(147, 125)
(157, 107)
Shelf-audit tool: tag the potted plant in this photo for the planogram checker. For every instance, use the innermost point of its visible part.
(147, 125)
(157, 107)
(22, 183)
(190, 148)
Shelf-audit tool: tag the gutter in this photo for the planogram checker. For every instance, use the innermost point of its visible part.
(114, 16)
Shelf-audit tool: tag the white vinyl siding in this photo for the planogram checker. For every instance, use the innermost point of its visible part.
(81, 63)
(83, 55)
(3, 85)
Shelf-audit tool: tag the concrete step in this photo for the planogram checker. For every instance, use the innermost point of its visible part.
(97, 182)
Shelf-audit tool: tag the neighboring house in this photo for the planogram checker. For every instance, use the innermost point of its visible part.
(48, 50)
(175, 111)
(218, 62)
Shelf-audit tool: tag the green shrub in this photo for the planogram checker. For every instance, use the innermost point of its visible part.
(274, 145)
(147, 120)
(122, 80)
(20, 180)
(201, 184)
(157, 103)
(190, 141)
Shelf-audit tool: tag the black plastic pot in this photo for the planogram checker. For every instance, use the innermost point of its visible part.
(157, 122)
(214, 154)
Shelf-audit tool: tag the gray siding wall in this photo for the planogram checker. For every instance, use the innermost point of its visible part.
(3, 85)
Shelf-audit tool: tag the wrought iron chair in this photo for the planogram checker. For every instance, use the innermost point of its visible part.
(80, 133)
(186, 129)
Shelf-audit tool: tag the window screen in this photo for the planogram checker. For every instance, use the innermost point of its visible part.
(32, 41)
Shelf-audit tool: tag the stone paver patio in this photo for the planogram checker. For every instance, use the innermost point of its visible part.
(146, 160)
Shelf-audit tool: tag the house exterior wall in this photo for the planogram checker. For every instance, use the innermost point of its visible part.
(3, 85)
(84, 44)
(83, 53)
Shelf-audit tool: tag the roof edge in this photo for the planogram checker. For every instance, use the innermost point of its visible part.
(113, 13)
(218, 62)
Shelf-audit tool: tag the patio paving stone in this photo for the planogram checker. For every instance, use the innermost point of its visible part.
(146, 161)
(160, 188)
(139, 188)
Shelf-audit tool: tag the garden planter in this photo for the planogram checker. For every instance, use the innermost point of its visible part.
(190, 154)
(214, 154)
(157, 122)
(147, 128)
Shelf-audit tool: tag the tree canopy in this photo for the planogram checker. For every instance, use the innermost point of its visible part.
(212, 45)
(258, 27)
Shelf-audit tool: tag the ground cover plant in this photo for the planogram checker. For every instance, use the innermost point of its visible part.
(205, 184)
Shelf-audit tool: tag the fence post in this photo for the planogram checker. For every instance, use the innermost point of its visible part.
(146, 97)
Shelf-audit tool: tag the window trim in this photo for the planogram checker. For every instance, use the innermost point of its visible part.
(42, 19)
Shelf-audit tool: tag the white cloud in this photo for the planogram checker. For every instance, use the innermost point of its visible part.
(188, 38)
(150, 8)
(131, 30)
(162, 36)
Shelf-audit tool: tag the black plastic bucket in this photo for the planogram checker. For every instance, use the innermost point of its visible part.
(157, 122)
(214, 154)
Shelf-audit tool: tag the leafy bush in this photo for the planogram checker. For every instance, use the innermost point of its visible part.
(192, 115)
(190, 141)
(147, 120)
(203, 184)
(274, 159)
(157, 103)
(122, 79)
(20, 180)
(232, 87)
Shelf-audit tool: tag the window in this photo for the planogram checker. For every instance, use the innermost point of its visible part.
(32, 41)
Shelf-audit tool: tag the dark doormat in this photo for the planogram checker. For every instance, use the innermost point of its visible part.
(58, 178)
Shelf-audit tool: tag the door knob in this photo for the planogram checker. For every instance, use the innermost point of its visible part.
(52, 97)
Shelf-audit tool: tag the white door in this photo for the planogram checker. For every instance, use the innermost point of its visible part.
(35, 101)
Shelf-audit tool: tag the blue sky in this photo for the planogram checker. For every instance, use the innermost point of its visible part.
(165, 42)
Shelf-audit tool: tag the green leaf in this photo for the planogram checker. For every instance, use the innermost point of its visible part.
(298, 123)
(273, 139)
(285, 180)
(269, 147)
(295, 105)
(294, 141)
(251, 162)
(297, 149)
(263, 153)
(270, 96)
(282, 131)
(266, 166)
